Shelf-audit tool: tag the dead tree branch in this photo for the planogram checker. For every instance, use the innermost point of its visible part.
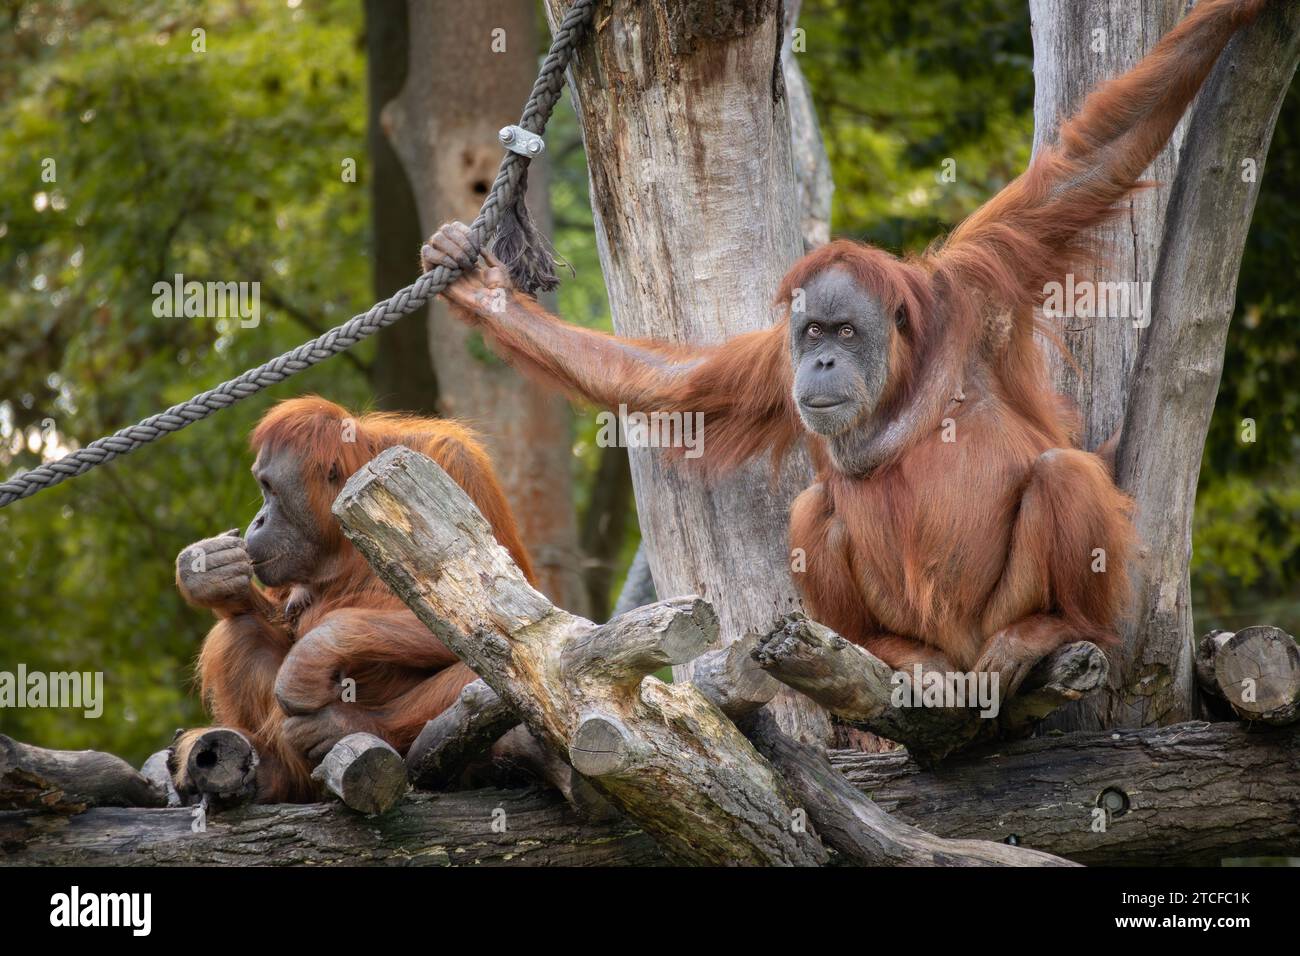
(461, 733)
(581, 688)
(69, 781)
(861, 689)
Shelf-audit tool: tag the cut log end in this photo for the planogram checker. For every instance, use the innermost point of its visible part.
(642, 641)
(731, 678)
(1255, 670)
(688, 630)
(223, 764)
(364, 772)
(601, 746)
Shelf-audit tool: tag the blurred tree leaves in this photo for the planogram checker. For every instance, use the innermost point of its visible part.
(222, 165)
(901, 87)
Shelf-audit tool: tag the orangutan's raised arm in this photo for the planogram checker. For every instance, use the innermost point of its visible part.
(1027, 234)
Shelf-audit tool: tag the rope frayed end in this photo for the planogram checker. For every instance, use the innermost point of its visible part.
(523, 250)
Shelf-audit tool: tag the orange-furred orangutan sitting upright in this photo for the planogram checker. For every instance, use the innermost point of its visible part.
(282, 657)
(953, 523)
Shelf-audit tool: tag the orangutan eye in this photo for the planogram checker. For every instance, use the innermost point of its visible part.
(814, 331)
(847, 332)
(900, 318)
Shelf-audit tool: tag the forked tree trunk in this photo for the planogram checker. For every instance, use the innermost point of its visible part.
(462, 86)
(1158, 375)
(687, 133)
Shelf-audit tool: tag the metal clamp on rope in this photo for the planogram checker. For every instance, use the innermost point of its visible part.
(519, 140)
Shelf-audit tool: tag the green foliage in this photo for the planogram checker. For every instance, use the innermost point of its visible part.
(223, 165)
(901, 87)
(1247, 542)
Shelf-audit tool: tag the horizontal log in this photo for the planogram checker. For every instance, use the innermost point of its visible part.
(472, 828)
(1191, 794)
(69, 781)
(1188, 794)
(455, 738)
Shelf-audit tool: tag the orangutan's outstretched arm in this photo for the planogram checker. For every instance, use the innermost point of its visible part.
(741, 387)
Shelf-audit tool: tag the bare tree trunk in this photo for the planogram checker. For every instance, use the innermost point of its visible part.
(687, 133)
(1158, 374)
(812, 169)
(401, 377)
(447, 140)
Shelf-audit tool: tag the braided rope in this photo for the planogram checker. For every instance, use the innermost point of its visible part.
(545, 94)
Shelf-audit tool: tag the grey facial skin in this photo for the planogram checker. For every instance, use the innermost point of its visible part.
(283, 541)
(839, 347)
